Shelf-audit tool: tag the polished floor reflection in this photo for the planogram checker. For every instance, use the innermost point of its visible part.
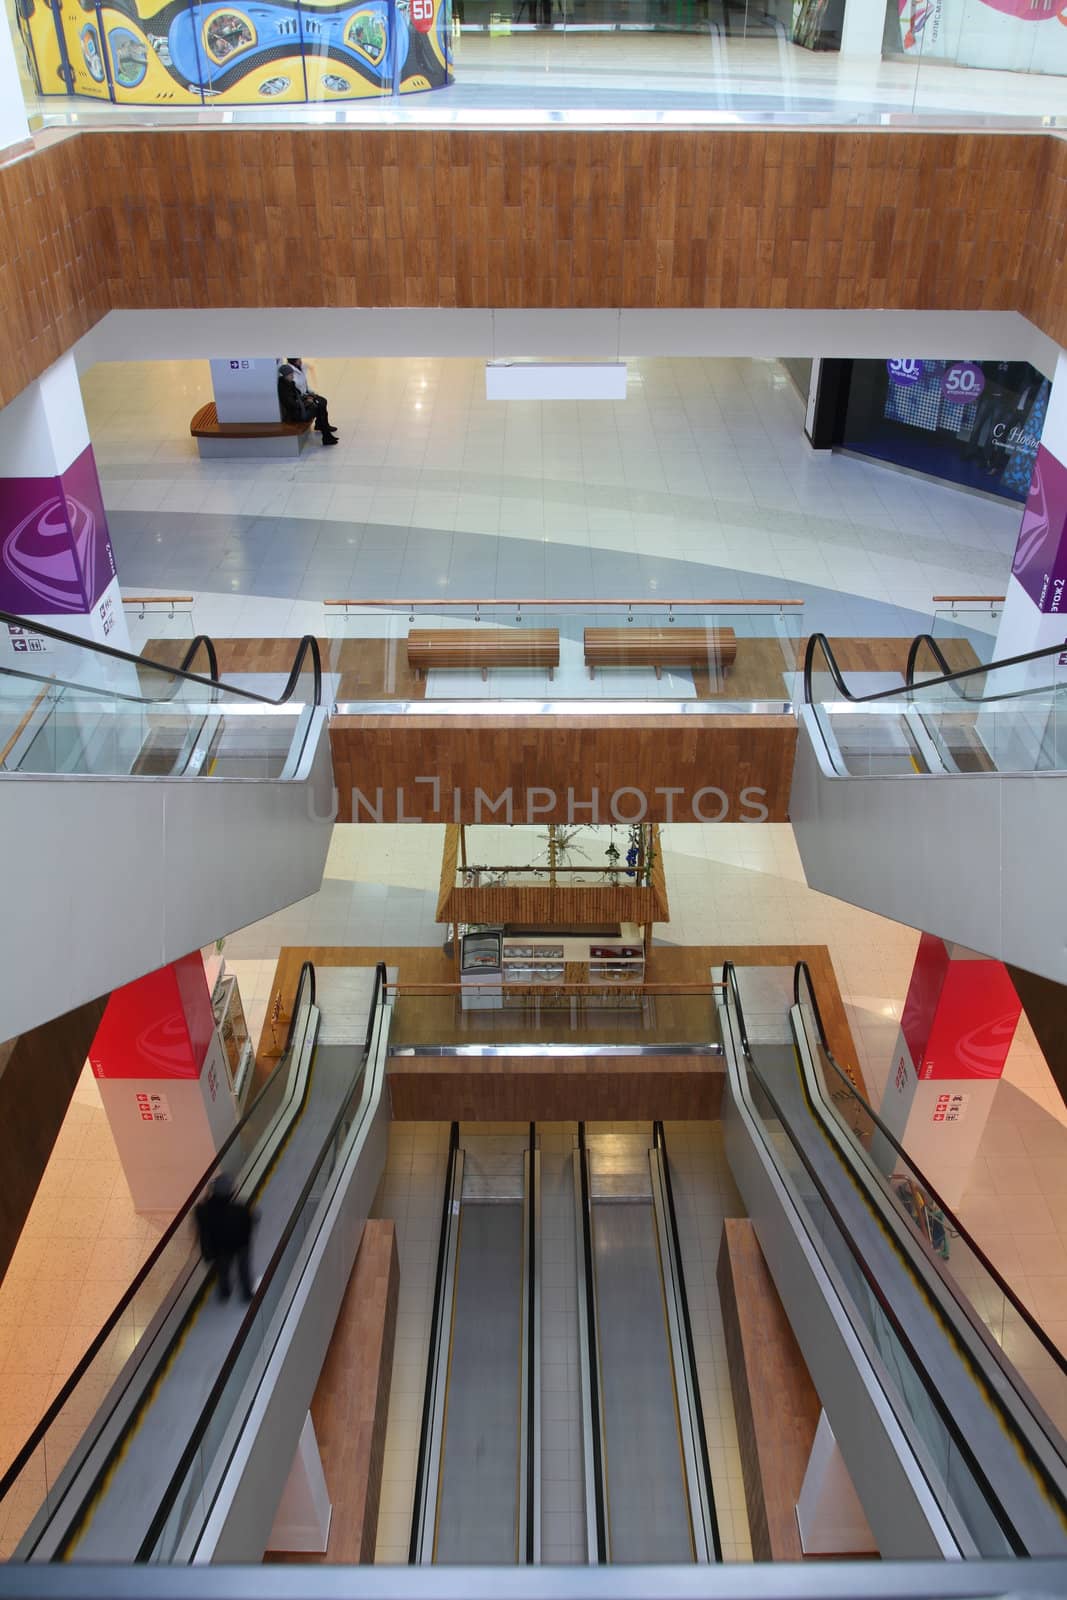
(521, 76)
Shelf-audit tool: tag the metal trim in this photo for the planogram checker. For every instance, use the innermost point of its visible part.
(563, 708)
(687, 1399)
(442, 1359)
(535, 1051)
(586, 1356)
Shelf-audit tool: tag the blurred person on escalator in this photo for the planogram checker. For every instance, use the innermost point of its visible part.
(224, 1225)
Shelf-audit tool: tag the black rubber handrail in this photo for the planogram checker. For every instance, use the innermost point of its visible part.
(531, 1329)
(308, 645)
(422, 1488)
(819, 641)
(802, 973)
(37, 1437)
(659, 1139)
(248, 1322)
(599, 1488)
(878, 1294)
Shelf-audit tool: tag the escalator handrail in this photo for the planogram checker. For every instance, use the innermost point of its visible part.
(878, 1294)
(201, 641)
(421, 1486)
(659, 1139)
(599, 1478)
(801, 971)
(37, 1437)
(819, 641)
(307, 645)
(252, 1310)
(531, 1345)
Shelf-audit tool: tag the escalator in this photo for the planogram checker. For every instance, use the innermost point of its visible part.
(947, 1400)
(648, 1481)
(938, 803)
(187, 805)
(182, 1398)
(479, 1484)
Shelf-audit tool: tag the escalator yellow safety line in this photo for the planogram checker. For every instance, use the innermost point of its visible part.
(68, 1544)
(999, 1411)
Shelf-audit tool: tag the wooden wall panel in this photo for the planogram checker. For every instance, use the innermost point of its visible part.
(351, 1402)
(838, 219)
(563, 1089)
(38, 1071)
(775, 1402)
(551, 767)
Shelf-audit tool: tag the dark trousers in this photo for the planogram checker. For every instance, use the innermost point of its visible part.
(316, 404)
(224, 1269)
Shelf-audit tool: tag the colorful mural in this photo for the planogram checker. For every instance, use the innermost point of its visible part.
(185, 52)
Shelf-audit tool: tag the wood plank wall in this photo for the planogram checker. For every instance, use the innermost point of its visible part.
(775, 1401)
(836, 219)
(38, 1071)
(551, 767)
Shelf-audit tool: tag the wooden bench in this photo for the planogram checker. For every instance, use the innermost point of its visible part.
(215, 438)
(670, 646)
(483, 648)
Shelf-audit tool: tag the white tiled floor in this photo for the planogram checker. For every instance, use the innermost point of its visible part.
(699, 485)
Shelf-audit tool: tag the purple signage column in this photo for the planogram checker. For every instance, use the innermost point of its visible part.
(57, 564)
(1035, 606)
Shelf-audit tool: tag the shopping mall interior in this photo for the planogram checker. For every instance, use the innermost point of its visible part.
(533, 966)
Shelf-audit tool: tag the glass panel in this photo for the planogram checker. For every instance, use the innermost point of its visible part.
(524, 1010)
(78, 1421)
(907, 1385)
(601, 650)
(1040, 1370)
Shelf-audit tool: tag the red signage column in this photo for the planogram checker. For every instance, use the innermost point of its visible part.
(159, 1068)
(956, 1030)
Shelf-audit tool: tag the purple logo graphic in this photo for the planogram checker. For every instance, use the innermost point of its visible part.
(55, 552)
(963, 382)
(1040, 562)
(904, 371)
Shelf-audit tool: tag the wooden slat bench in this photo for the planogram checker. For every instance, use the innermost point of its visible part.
(249, 438)
(671, 646)
(483, 647)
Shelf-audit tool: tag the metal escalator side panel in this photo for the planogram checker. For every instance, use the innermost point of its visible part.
(85, 1478)
(704, 1530)
(596, 1522)
(244, 1482)
(428, 1491)
(529, 1541)
(1026, 1427)
(892, 1475)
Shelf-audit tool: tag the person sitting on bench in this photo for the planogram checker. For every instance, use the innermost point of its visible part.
(298, 406)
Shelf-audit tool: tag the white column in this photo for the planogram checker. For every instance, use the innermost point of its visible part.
(58, 566)
(830, 1517)
(861, 34)
(302, 1521)
(13, 125)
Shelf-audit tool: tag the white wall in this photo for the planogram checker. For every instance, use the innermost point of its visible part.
(13, 125)
(578, 335)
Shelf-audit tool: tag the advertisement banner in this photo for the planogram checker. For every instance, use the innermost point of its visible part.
(1012, 35)
(55, 549)
(1040, 562)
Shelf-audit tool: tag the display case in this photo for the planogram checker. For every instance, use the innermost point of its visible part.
(616, 963)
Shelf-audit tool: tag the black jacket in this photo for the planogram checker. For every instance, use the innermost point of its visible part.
(224, 1226)
(291, 401)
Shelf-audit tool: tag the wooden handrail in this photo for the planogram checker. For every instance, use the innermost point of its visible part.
(552, 605)
(22, 725)
(157, 599)
(952, 599)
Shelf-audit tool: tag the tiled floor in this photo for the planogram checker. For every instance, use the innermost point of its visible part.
(700, 485)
